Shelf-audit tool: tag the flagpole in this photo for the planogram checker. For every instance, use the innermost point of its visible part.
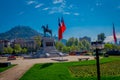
(114, 34)
(61, 30)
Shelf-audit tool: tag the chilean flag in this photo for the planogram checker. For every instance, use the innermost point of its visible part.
(114, 35)
(61, 29)
(63, 25)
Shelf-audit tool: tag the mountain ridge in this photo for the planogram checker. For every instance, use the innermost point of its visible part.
(24, 32)
(19, 32)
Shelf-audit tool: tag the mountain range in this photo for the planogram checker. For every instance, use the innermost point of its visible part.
(19, 32)
(24, 32)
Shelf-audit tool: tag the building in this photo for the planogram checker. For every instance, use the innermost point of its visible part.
(25, 43)
(21, 42)
(85, 38)
(30, 44)
(1, 46)
(4, 43)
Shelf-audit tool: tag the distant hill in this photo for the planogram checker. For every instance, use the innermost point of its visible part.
(19, 32)
(24, 32)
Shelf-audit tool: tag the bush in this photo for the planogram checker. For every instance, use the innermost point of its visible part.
(113, 52)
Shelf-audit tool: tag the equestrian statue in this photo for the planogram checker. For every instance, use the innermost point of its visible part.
(46, 29)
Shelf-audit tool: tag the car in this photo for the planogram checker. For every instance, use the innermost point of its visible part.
(11, 58)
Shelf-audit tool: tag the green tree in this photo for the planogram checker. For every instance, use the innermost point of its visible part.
(108, 46)
(5, 50)
(85, 45)
(59, 45)
(38, 41)
(74, 48)
(80, 45)
(76, 45)
(8, 50)
(70, 41)
(115, 47)
(118, 47)
(101, 37)
(24, 50)
(17, 48)
(76, 42)
(65, 49)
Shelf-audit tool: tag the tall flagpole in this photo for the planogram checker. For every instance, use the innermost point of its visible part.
(61, 29)
(59, 32)
(114, 34)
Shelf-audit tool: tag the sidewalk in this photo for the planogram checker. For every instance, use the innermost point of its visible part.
(25, 64)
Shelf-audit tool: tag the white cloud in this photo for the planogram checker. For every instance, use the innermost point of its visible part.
(66, 13)
(45, 8)
(111, 39)
(57, 1)
(56, 10)
(51, 12)
(76, 14)
(59, 8)
(31, 2)
(63, 4)
(20, 13)
(39, 5)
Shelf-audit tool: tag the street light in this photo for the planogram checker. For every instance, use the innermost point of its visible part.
(98, 45)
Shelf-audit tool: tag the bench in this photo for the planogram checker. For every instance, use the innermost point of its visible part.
(5, 64)
(60, 59)
(80, 59)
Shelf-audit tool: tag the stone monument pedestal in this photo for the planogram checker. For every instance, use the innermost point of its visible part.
(48, 48)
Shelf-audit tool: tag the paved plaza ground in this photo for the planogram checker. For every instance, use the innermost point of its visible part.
(23, 65)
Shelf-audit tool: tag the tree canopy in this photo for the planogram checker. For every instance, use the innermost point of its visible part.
(73, 44)
(17, 48)
(101, 37)
(8, 50)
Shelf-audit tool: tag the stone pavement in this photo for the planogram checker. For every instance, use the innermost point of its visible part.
(23, 65)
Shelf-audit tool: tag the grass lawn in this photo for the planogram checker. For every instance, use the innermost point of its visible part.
(83, 70)
(5, 68)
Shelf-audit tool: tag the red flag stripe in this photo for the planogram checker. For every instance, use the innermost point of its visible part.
(59, 30)
(114, 35)
(63, 25)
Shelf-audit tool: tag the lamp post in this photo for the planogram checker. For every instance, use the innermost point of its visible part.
(98, 45)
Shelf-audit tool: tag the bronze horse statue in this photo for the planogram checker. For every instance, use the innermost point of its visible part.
(46, 29)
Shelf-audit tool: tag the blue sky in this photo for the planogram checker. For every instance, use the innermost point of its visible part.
(82, 17)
